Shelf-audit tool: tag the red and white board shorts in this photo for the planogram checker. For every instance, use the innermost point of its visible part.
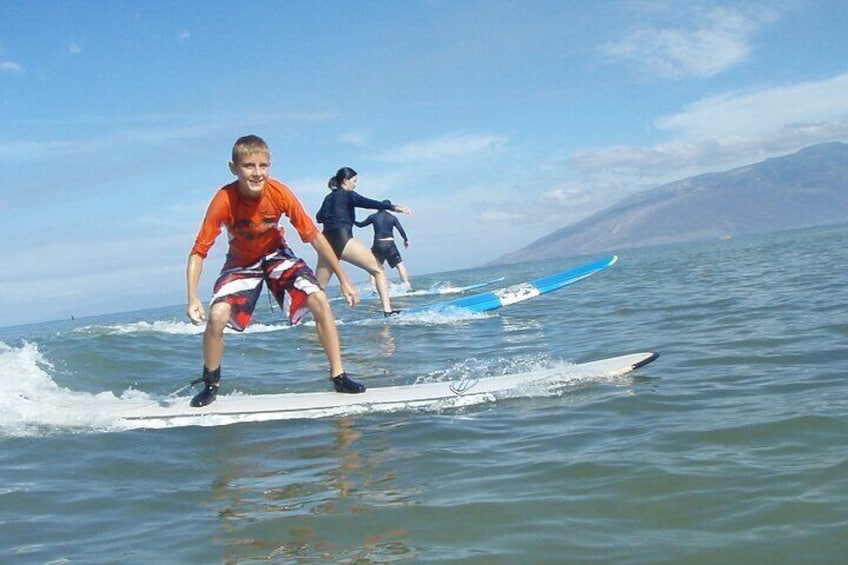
(289, 279)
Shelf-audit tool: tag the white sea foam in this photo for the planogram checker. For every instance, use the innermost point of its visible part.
(172, 327)
(32, 403)
(445, 316)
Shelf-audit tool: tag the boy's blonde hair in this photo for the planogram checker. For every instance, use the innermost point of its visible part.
(249, 144)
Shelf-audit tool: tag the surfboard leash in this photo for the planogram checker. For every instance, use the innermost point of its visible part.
(196, 381)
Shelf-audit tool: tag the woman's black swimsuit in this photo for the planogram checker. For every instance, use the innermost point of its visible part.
(338, 238)
(338, 212)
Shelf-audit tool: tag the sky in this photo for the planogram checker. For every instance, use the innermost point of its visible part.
(496, 122)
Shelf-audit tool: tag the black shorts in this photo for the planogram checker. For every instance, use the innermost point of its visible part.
(386, 251)
(338, 238)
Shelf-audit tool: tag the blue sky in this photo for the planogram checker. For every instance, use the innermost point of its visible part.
(496, 122)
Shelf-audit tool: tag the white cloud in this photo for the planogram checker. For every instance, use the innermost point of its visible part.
(622, 159)
(719, 39)
(11, 68)
(566, 197)
(183, 36)
(74, 48)
(454, 146)
(762, 111)
(729, 130)
(354, 138)
(499, 216)
(29, 151)
(127, 135)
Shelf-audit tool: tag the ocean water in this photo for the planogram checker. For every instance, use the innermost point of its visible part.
(732, 447)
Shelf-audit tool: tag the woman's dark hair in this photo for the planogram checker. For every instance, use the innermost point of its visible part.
(342, 175)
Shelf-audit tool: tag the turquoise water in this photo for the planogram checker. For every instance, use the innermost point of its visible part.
(731, 448)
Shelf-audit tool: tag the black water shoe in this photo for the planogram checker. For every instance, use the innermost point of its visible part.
(343, 383)
(210, 389)
(391, 313)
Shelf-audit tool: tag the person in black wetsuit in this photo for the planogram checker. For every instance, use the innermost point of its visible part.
(337, 214)
(383, 247)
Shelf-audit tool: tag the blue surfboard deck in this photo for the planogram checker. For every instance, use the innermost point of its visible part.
(495, 299)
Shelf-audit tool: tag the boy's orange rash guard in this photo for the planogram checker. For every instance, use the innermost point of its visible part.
(252, 226)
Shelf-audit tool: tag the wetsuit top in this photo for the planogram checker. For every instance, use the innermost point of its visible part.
(339, 208)
(252, 225)
(383, 223)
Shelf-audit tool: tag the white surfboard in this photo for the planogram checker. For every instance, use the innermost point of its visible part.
(230, 409)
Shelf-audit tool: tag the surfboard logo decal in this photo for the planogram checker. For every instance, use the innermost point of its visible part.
(516, 293)
(461, 387)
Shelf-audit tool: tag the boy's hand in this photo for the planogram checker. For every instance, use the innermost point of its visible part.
(350, 293)
(195, 312)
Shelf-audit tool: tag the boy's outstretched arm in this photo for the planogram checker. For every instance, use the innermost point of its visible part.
(325, 252)
(194, 309)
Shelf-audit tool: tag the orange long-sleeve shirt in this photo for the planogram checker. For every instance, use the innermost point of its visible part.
(252, 225)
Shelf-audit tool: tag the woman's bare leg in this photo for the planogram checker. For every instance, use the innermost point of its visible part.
(357, 254)
(404, 276)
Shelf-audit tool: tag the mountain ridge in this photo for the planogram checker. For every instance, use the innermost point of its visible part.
(803, 189)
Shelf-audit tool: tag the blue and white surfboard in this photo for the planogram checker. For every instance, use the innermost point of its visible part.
(495, 299)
